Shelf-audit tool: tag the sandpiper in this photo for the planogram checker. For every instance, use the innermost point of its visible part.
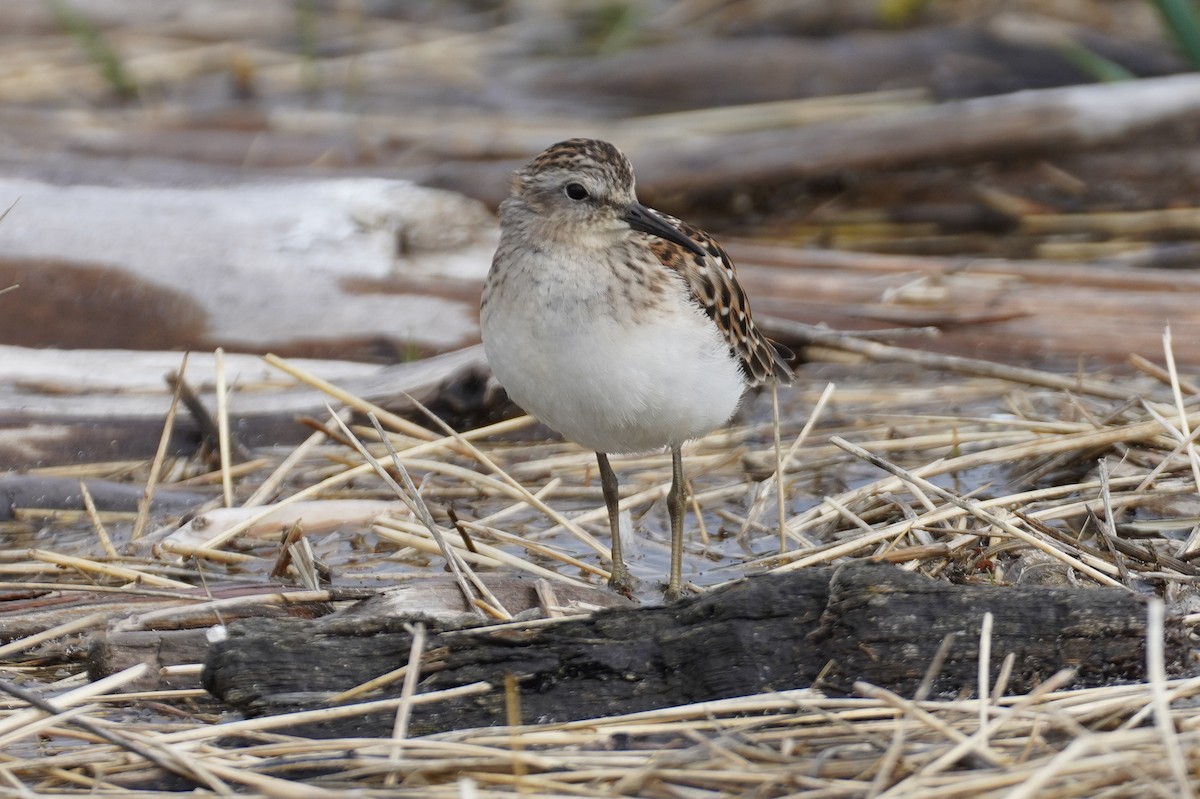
(620, 327)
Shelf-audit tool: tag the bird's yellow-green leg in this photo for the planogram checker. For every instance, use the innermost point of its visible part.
(620, 580)
(676, 502)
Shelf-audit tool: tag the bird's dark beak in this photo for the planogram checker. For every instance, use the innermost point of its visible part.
(642, 218)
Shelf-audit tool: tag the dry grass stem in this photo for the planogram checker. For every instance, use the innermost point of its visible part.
(775, 481)
(392, 420)
(412, 498)
(101, 533)
(105, 569)
(223, 444)
(274, 481)
(568, 525)
(160, 455)
(1156, 668)
(978, 512)
(404, 709)
(1177, 394)
(66, 628)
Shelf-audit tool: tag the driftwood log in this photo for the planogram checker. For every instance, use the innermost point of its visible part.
(71, 406)
(43, 491)
(131, 634)
(862, 621)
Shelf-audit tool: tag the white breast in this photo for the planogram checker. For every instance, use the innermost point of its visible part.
(610, 379)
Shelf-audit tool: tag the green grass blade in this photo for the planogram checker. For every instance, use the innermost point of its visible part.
(103, 54)
(1183, 21)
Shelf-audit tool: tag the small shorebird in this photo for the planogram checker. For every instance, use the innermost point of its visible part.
(620, 327)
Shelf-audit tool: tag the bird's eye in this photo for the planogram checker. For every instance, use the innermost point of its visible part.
(576, 191)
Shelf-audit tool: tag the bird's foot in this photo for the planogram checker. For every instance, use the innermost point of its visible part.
(673, 593)
(622, 582)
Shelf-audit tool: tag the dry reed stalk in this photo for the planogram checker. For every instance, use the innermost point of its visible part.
(535, 548)
(542, 493)
(28, 569)
(164, 695)
(473, 451)
(196, 554)
(236, 472)
(412, 498)
(14, 723)
(483, 483)
(273, 481)
(780, 499)
(404, 709)
(100, 589)
(697, 514)
(409, 534)
(975, 510)
(207, 733)
(97, 524)
(160, 454)
(1177, 394)
(775, 481)
(985, 663)
(948, 363)
(66, 628)
(106, 469)
(846, 514)
(369, 686)
(1160, 374)
(392, 420)
(1156, 670)
(205, 607)
(223, 446)
(106, 569)
(56, 515)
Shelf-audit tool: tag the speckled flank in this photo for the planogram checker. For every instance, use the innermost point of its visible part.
(640, 284)
(714, 284)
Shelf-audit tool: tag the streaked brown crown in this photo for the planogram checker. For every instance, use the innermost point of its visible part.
(584, 155)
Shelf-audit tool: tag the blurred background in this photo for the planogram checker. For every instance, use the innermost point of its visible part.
(1019, 174)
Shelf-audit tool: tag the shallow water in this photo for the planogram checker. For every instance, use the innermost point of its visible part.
(725, 471)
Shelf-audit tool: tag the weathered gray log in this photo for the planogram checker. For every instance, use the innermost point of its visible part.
(949, 62)
(1019, 123)
(182, 639)
(158, 649)
(61, 406)
(335, 257)
(28, 611)
(63, 493)
(104, 620)
(862, 621)
(884, 627)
